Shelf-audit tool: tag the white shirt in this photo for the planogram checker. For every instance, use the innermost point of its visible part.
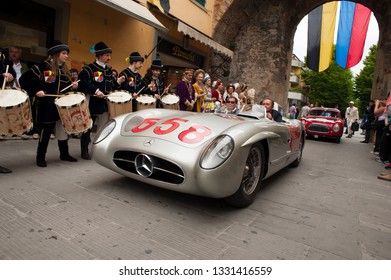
(101, 64)
(18, 69)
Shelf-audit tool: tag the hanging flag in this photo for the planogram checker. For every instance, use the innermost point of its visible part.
(321, 26)
(352, 32)
(163, 5)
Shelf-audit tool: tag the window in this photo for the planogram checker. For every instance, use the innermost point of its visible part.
(201, 2)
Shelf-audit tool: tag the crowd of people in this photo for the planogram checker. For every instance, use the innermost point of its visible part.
(377, 121)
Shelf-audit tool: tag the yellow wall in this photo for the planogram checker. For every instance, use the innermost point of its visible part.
(190, 12)
(177, 37)
(91, 22)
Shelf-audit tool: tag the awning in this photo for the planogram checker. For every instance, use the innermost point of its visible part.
(135, 10)
(196, 35)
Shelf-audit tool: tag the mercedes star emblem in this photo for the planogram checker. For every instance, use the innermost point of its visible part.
(144, 165)
(149, 142)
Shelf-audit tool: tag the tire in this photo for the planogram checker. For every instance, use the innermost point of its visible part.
(338, 140)
(251, 180)
(297, 161)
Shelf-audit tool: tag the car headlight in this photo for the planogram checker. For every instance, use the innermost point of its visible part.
(336, 127)
(105, 131)
(217, 152)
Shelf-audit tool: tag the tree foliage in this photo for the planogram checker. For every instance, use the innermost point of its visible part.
(363, 81)
(331, 87)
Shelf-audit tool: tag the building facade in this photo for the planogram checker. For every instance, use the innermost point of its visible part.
(154, 28)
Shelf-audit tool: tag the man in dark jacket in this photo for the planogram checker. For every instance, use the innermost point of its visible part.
(369, 111)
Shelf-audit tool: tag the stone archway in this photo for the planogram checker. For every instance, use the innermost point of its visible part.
(261, 35)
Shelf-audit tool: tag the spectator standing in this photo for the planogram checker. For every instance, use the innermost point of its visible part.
(292, 112)
(351, 117)
(185, 91)
(230, 91)
(15, 55)
(199, 89)
(379, 123)
(304, 111)
(385, 141)
(208, 101)
(370, 117)
(217, 93)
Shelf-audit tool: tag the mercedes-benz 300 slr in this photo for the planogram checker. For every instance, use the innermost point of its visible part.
(213, 155)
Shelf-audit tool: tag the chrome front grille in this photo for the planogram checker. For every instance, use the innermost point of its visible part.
(163, 170)
(318, 128)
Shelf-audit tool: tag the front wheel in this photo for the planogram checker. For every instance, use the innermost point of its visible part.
(251, 179)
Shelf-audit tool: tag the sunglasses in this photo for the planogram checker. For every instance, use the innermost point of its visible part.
(231, 102)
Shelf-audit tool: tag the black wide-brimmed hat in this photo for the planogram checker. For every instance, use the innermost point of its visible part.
(135, 56)
(101, 48)
(56, 46)
(156, 64)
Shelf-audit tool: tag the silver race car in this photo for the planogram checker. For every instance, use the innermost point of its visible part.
(214, 155)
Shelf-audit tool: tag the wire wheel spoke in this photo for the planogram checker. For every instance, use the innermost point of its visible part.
(252, 171)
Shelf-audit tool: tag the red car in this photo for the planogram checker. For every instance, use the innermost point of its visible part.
(324, 122)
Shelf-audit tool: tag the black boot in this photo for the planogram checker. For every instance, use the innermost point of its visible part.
(43, 143)
(84, 141)
(4, 170)
(64, 153)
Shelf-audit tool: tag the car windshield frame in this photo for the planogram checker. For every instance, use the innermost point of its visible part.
(256, 112)
(324, 113)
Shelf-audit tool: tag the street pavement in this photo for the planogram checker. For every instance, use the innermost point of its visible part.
(331, 207)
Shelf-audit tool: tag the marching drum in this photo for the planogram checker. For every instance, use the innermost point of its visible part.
(170, 101)
(15, 113)
(145, 102)
(74, 113)
(119, 102)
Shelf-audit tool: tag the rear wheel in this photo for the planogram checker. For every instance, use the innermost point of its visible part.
(251, 180)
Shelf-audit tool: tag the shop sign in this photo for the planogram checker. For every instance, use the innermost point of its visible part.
(179, 52)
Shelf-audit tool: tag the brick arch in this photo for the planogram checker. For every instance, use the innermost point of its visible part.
(261, 34)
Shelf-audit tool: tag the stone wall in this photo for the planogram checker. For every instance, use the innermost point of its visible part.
(261, 32)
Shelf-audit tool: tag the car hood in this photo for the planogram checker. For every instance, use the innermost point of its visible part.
(183, 128)
(321, 120)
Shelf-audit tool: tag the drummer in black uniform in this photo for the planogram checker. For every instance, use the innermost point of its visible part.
(9, 77)
(132, 76)
(153, 82)
(49, 77)
(96, 81)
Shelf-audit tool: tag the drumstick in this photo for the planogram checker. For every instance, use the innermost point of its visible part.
(111, 95)
(140, 90)
(165, 90)
(53, 95)
(5, 78)
(65, 88)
